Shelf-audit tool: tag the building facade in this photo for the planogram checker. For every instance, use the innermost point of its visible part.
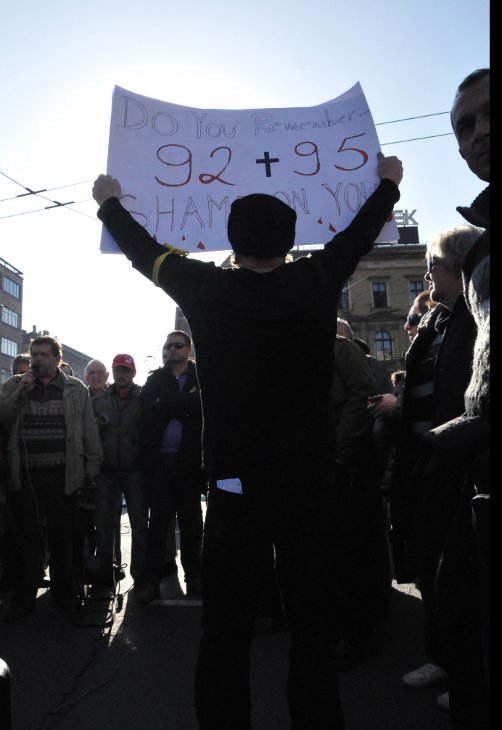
(13, 339)
(76, 359)
(378, 297)
(11, 310)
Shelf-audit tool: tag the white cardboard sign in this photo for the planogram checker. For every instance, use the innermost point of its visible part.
(180, 167)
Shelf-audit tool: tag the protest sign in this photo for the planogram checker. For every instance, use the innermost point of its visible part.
(181, 167)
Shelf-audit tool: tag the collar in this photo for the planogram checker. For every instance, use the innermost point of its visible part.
(478, 213)
(58, 380)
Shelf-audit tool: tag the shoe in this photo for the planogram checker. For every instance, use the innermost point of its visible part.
(148, 593)
(18, 610)
(101, 593)
(65, 600)
(348, 655)
(194, 585)
(443, 702)
(425, 676)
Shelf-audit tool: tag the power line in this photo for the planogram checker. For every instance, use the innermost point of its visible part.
(29, 191)
(55, 203)
(48, 207)
(35, 192)
(409, 119)
(413, 139)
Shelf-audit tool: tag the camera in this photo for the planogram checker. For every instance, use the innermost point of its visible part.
(102, 419)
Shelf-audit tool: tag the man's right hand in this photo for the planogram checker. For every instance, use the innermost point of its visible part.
(105, 186)
(26, 382)
(381, 406)
(390, 168)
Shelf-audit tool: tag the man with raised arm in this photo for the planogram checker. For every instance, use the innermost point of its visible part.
(264, 334)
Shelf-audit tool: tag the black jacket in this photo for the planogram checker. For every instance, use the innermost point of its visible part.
(263, 411)
(468, 438)
(452, 371)
(161, 401)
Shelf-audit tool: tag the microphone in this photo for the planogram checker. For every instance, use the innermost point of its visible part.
(35, 369)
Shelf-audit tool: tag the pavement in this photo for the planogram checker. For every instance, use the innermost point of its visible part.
(127, 666)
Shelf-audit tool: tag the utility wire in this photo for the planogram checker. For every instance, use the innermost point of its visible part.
(48, 207)
(45, 190)
(55, 203)
(409, 119)
(413, 139)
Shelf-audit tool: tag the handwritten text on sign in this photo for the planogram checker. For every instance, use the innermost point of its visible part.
(181, 168)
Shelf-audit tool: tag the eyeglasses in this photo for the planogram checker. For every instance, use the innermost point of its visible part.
(174, 346)
(413, 319)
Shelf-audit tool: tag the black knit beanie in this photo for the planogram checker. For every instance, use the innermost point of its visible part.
(261, 225)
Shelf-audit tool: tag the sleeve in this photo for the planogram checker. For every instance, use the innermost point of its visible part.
(92, 442)
(358, 238)
(354, 425)
(175, 273)
(10, 403)
(156, 401)
(131, 237)
(160, 404)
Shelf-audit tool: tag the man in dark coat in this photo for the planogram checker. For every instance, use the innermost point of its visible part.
(463, 580)
(171, 419)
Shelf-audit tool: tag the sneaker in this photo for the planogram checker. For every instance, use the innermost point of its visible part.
(65, 600)
(148, 593)
(425, 676)
(101, 593)
(443, 702)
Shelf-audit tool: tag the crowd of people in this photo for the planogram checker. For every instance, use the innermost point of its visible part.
(325, 480)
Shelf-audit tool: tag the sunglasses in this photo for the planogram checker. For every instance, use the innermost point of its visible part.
(433, 261)
(174, 345)
(413, 319)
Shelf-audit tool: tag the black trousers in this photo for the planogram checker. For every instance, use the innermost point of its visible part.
(44, 519)
(171, 493)
(296, 515)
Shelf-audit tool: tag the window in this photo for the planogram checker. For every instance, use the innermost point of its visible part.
(4, 375)
(416, 288)
(379, 289)
(9, 348)
(11, 287)
(10, 317)
(383, 345)
(344, 301)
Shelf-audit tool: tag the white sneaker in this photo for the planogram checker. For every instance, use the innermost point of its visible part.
(425, 676)
(443, 702)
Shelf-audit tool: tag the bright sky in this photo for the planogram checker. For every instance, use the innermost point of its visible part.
(59, 65)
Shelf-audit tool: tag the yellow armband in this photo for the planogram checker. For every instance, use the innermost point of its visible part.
(159, 260)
